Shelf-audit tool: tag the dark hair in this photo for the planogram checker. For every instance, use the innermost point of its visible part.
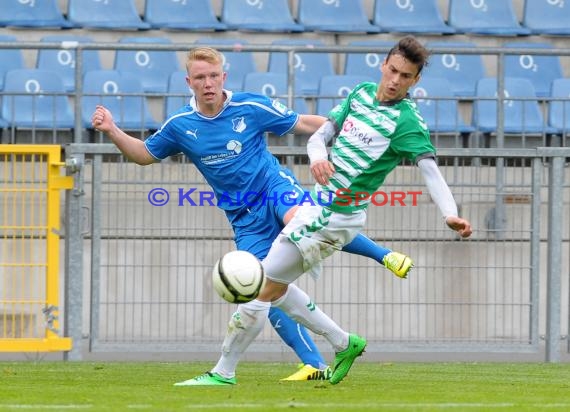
(412, 50)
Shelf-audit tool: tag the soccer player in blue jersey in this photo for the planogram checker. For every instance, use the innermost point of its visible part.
(223, 134)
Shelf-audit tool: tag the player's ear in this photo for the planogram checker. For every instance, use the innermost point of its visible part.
(417, 79)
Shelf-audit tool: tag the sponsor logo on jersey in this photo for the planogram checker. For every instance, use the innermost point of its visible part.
(352, 130)
(235, 146)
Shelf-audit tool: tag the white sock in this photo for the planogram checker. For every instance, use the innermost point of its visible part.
(297, 304)
(246, 323)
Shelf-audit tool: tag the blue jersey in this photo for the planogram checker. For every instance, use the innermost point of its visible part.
(229, 149)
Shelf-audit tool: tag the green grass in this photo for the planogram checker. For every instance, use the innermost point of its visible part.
(147, 386)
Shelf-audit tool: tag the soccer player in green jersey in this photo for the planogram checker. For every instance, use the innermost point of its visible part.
(376, 127)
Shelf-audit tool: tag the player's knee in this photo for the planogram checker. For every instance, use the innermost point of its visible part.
(272, 291)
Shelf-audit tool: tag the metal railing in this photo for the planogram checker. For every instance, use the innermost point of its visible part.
(76, 49)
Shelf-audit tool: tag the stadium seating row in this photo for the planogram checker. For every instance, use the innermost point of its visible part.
(153, 67)
(37, 99)
(486, 17)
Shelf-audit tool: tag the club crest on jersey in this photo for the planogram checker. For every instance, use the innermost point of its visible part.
(238, 124)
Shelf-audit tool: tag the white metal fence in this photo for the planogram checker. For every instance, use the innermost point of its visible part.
(500, 291)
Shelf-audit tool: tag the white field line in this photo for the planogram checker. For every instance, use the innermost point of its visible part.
(44, 406)
(380, 405)
(375, 405)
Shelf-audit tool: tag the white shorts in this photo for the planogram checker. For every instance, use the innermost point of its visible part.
(318, 233)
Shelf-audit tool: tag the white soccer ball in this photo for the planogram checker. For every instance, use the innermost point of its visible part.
(238, 276)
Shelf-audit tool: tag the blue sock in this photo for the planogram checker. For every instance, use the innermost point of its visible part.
(295, 335)
(361, 245)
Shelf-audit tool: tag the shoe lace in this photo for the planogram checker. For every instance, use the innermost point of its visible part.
(391, 262)
(203, 376)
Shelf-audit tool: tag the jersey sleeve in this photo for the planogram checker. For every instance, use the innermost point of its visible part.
(163, 143)
(340, 112)
(274, 116)
(411, 139)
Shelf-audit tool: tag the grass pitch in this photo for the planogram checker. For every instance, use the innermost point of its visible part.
(148, 386)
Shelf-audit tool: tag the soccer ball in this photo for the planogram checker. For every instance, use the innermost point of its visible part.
(238, 276)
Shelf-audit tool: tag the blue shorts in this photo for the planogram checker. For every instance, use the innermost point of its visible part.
(257, 226)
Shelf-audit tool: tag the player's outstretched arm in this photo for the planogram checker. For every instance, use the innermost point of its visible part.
(460, 225)
(441, 195)
(309, 123)
(131, 147)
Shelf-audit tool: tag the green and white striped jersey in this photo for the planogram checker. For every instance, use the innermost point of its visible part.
(373, 139)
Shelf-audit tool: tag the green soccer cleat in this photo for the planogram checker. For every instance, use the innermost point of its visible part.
(208, 379)
(398, 263)
(344, 359)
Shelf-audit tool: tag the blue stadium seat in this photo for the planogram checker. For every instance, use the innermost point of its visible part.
(39, 14)
(309, 67)
(547, 17)
(559, 110)
(236, 63)
(151, 67)
(413, 16)
(521, 116)
(3, 123)
(438, 105)
(264, 16)
(493, 17)
(108, 14)
(273, 85)
(367, 64)
(462, 70)
(10, 59)
(341, 16)
(122, 95)
(34, 99)
(63, 60)
(333, 89)
(541, 70)
(178, 93)
(182, 15)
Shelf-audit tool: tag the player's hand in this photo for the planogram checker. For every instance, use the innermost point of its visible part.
(322, 170)
(102, 119)
(461, 226)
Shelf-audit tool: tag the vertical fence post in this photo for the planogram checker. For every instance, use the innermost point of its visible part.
(95, 278)
(74, 261)
(78, 118)
(553, 285)
(537, 167)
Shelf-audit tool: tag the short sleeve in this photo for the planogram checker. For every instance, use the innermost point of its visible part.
(162, 143)
(412, 139)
